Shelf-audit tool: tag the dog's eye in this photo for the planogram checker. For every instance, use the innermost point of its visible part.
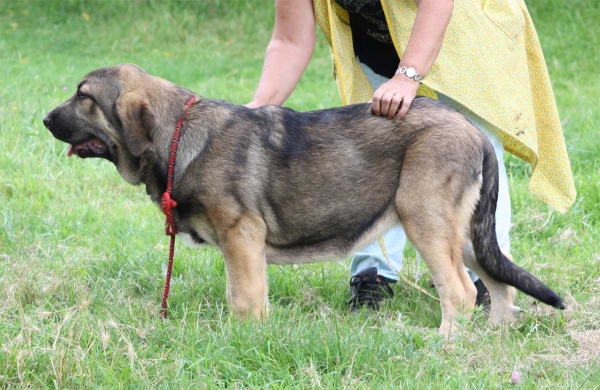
(81, 95)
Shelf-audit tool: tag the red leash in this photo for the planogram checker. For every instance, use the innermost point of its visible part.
(167, 204)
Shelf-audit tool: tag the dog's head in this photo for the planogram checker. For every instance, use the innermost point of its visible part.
(114, 114)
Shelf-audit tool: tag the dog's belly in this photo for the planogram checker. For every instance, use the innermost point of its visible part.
(334, 248)
(316, 206)
(191, 241)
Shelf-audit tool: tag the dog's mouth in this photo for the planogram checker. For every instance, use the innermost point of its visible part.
(93, 147)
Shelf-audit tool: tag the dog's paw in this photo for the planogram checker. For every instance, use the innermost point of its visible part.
(504, 314)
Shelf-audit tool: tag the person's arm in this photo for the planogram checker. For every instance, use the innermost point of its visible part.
(421, 51)
(288, 54)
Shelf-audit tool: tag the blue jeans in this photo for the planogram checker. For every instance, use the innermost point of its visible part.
(395, 238)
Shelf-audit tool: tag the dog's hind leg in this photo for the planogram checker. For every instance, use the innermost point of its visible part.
(243, 245)
(437, 230)
(501, 295)
(435, 210)
(439, 242)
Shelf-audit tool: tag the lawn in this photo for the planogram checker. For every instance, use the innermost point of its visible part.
(82, 254)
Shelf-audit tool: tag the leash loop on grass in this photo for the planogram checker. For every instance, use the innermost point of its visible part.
(167, 204)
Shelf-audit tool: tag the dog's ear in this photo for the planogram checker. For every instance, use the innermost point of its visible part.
(138, 120)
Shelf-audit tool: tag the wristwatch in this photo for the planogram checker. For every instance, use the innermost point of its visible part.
(411, 73)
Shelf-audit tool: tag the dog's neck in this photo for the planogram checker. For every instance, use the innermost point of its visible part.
(153, 175)
(154, 163)
(201, 124)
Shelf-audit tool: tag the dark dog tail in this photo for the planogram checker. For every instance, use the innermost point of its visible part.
(485, 243)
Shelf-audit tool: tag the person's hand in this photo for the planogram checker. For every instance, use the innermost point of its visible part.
(397, 93)
(253, 104)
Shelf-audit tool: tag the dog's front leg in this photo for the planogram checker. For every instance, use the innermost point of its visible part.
(243, 247)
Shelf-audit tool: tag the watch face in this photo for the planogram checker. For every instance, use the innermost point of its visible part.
(410, 72)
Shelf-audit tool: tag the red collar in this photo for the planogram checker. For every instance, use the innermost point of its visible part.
(167, 204)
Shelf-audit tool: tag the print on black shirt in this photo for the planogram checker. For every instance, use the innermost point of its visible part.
(370, 35)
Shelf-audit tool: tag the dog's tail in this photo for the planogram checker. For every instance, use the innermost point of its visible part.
(485, 242)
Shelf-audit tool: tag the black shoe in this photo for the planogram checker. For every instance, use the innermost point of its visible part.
(483, 296)
(368, 290)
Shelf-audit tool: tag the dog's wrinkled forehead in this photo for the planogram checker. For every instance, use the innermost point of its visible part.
(100, 83)
(112, 80)
(105, 85)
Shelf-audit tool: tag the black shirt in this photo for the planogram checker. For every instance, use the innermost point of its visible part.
(370, 36)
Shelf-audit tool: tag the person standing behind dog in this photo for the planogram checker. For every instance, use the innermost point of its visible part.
(481, 57)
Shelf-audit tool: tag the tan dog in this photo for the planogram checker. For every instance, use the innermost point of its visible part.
(275, 186)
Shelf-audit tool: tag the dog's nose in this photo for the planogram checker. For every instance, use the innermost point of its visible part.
(48, 120)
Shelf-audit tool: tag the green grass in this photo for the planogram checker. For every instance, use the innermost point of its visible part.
(82, 254)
